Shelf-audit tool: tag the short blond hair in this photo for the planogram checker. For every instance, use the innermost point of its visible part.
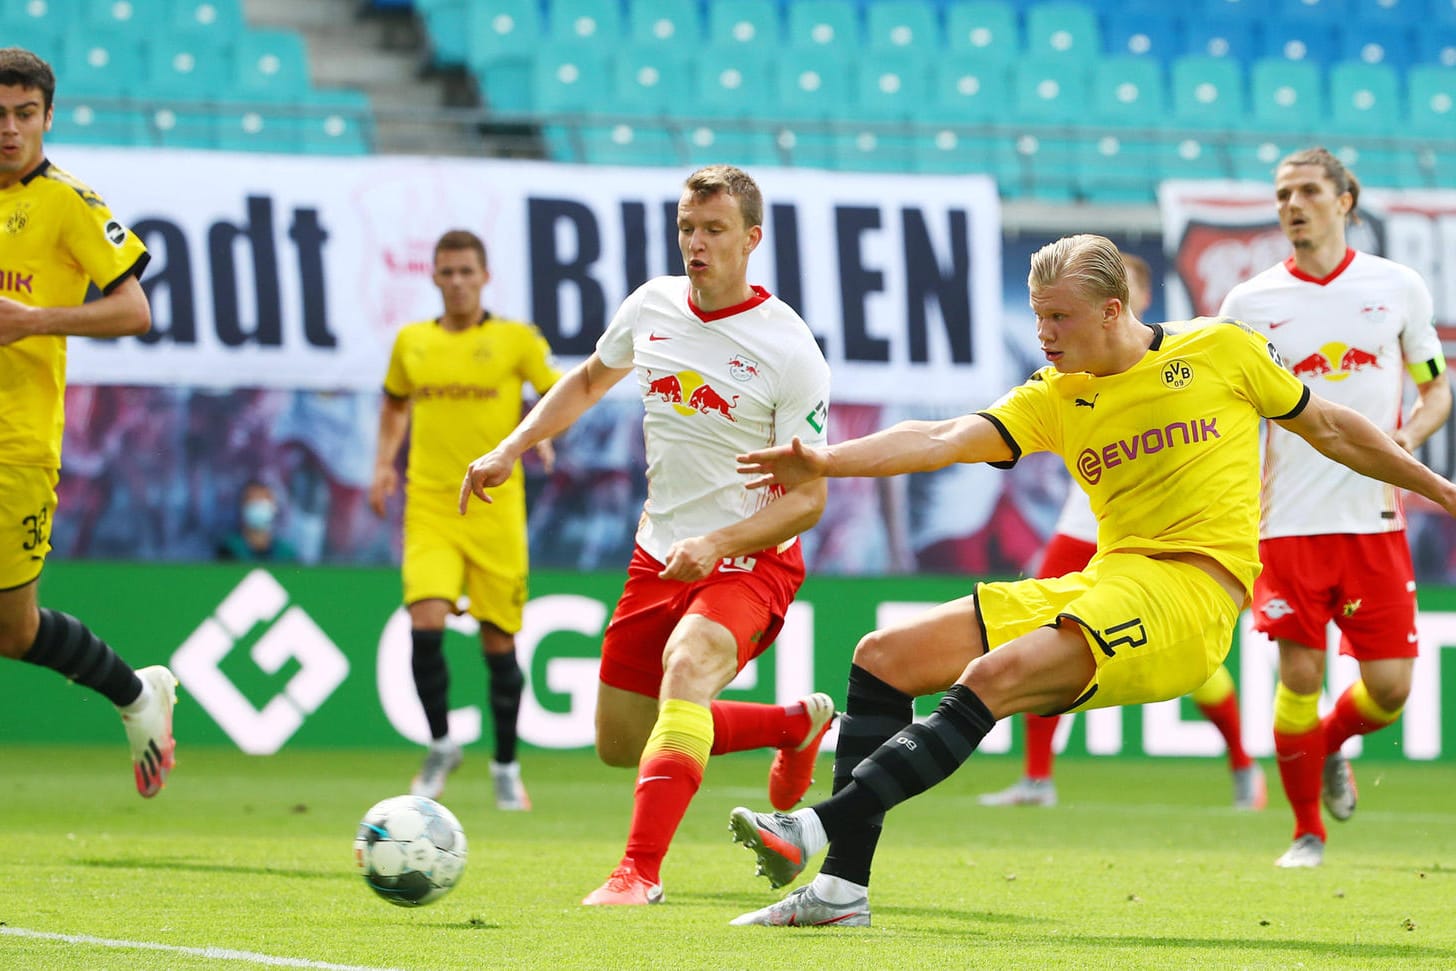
(1093, 263)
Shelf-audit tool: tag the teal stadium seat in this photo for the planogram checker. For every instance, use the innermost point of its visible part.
(1221, 36)
(184, 125)
(1436, 45)
(647, 82)
(1143, 34)
(1189, 156)
(745, 22)
(447, 30)
(1128, 91)
(36, 26)
(1380, 167)
(569, 78)
(1431, 100)
(79, 120)
(100, 65)
(1364, 98)
(730, 85)
(500, 39)
(1254, 157)
(196, 66)
(337, 121)
(1286, 96)
(1128, 104)
(890, 88)
(1310, 11)
(812, 87)
(1402, 13)
(1296, 40)
(824, 23)
(988, 29)
(1117, 166)
(244, 126)
(967, 93)
(221, 20)
(900, 25)
(675, 23)
(1049, 90)
(584, 21)
(1063, 28)
(1207, 92)
(1374, 44)
(270, 65)
(136, 19)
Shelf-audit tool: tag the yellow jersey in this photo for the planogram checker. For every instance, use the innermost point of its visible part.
(57, 238)
(1168, 450)
(464, 389)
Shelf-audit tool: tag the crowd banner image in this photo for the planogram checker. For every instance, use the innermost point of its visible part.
(294, 272)
(319, 657)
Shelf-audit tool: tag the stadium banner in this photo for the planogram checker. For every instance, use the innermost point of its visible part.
(295, 272)
(319, 657)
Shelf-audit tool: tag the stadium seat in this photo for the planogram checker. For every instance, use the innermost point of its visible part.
(1254, 159)
(729, 141)
(1381, 167)
(951, 151)
(79, 121)
(1286, 95)
(500, 39)
(733, 81)
(1221, 36)
(100, 65)
(445, 26)
(569, 78)
(875, 150)
(187, 66)
(988, 29)
(1189, 157)
(897, 25)
(1128, 92)
(1431, 100)
(824, 23)
(1049, 90)
(1049, 168)
(184, 125)
(1404, 13)
(219, 19)
(1436, 45)
(745, 22)
(270, 65)
(241, 126)
(1062, 28)
(1207, 92)
(337, 122)
(1311, 11)
(625, 143)
(136, 19)
(965, 90)
(1233, 9)
(648, 80)
(1296, 40)
(58, 14)
(39, 36)
(890, 86)
(1374, 43)
(1158, 36)
(812, 84)
(1364, 98)
(668, 22)
(1117, 167)
(585, 21)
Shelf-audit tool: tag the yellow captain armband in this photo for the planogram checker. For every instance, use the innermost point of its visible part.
(1423, 371)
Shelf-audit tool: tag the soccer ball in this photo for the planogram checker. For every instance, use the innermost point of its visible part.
(410, 850)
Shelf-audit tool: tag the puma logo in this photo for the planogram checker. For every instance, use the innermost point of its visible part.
(1084, 403)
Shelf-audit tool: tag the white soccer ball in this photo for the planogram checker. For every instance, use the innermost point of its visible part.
(410, 850)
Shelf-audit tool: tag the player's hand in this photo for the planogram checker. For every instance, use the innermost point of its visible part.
(784, 465)
(386, 480)
(689, 560)
(486, 472)
(1402, 438)
(546, 452)
(13, 323)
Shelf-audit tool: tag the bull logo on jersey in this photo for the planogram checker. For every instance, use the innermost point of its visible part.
(1375, 313)
(688, 393)
(742, 368)
(1335, 362)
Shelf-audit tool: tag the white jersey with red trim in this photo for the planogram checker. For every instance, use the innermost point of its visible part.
(714, 385)
(1349, 337)
(1077, 519)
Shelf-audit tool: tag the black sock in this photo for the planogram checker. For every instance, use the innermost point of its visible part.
(910, 762)
(873, 712)
(64, 644)
(432, 679)
(506, 683)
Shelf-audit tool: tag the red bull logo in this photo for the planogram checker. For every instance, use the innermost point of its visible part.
(1335, 362)
(689, 394)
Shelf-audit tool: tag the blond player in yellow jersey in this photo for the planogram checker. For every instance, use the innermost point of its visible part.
(1167, 449)
(56, 239)
(454, 382)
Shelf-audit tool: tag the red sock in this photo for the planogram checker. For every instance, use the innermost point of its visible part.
(742, 725)
(666, 783)
(1039, 732)
(1301, 767)
(1346, 719)
(1225, 717)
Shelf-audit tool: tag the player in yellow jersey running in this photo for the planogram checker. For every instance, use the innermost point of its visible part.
(57, 238)
(456, 381)
(1159, 424)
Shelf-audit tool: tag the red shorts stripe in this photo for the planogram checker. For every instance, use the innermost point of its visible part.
(1364, 582)
(748, 595)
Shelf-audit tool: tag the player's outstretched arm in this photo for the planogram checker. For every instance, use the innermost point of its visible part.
(123, 312)
(582, 387)
(1356, 442)
(910, 446)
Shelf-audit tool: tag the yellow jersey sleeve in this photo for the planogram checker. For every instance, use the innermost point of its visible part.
(537, 365)
(1027, 417)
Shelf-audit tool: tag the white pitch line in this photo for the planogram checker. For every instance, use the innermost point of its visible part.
(216, 953)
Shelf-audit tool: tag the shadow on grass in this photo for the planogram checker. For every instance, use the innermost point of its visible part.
(153, 863)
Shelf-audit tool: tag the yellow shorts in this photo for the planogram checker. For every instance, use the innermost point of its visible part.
(27, 505)
(482, 554)
(1157, 628)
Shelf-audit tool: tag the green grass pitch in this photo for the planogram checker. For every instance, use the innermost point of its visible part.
(246, 862)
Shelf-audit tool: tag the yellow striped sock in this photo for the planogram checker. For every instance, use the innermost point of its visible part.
(1367, 706)
(682, 727)
(1295, 714)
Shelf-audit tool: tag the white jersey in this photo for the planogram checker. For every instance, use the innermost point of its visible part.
(714, 385)
(1349, 337)
(1077, 519)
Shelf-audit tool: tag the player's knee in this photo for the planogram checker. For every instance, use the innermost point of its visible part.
(876, 653)
(1389, 692)
(617, 752)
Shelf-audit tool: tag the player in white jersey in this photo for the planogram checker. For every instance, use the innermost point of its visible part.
(1333, 542)
(1070, 549)
(723, 368)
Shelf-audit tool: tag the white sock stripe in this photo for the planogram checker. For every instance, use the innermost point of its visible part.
(213, 953)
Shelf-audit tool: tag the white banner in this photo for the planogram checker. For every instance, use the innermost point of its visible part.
(1217, 234)
(295, 272)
